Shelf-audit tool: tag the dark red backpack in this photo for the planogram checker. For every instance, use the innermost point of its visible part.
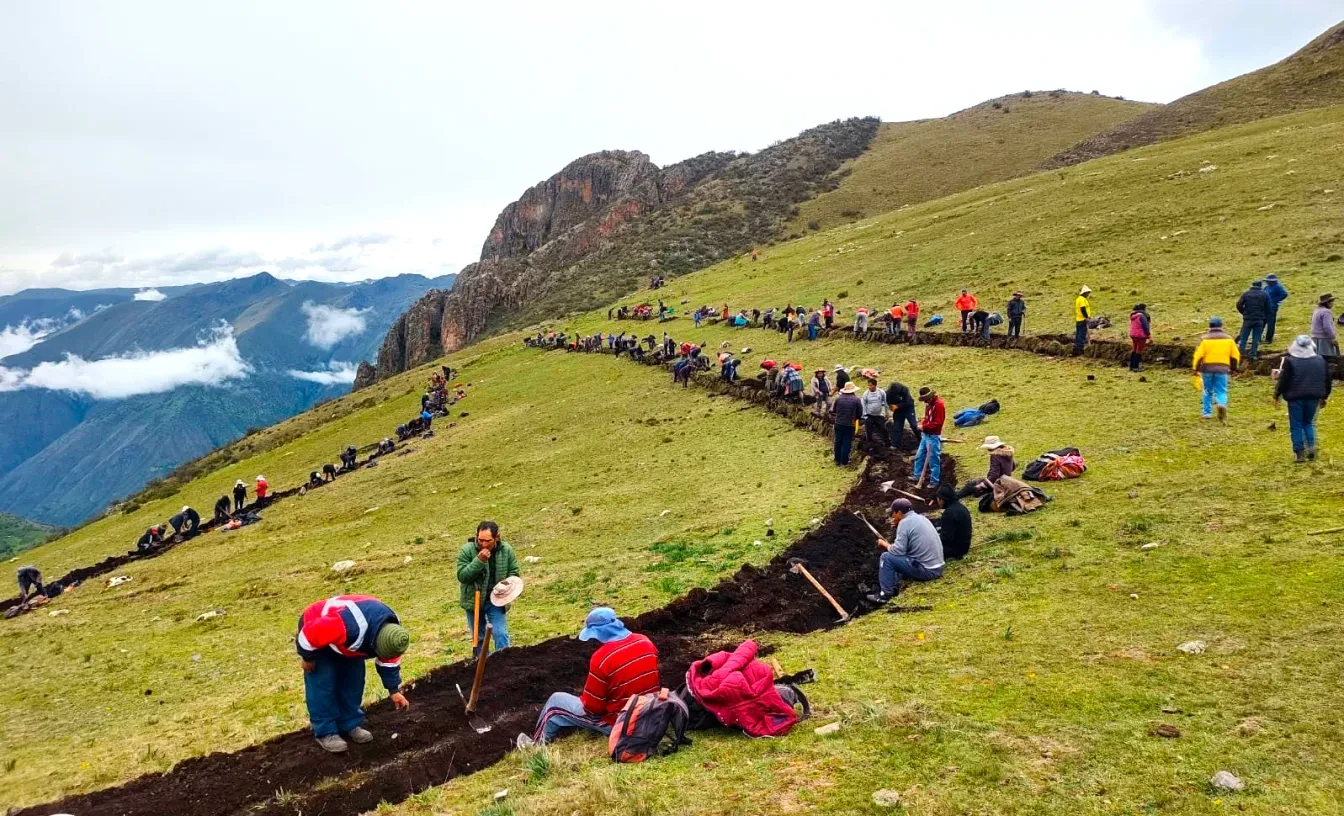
(642, 726)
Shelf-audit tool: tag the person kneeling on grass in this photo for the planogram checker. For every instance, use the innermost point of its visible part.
(624, 665)
(915, 555)
(335, 637)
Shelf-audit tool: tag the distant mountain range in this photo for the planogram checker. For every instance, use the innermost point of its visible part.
(103, 390)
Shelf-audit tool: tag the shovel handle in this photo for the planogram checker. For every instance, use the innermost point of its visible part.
(863, 519)
(838, 608)
(476, 623)
(480, 668)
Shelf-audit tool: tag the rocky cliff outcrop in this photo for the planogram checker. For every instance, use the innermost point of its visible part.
(605, 223)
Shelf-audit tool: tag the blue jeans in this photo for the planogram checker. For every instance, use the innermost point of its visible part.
(1253, 331)
(493, 615)
(844, 441)
(1302, 423)
(562, 712)
(899, 420)
(1079, 336)
(930, 445)
(812, 329)
(892, 568)
(1215, 389)
(334, 692)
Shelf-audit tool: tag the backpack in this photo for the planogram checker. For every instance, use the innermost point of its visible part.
(642, 725)
(936, 320)
(991, 407)
(1065, 463)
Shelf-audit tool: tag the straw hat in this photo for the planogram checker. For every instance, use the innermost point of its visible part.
(1086, 290)
(506, 591)
(849, 388)
(992, 443)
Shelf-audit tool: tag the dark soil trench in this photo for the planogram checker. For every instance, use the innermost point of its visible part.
(433, 743)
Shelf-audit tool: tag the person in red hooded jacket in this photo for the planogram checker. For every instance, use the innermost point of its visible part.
(739, 690)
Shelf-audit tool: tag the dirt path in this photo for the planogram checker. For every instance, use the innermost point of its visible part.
(289, 775)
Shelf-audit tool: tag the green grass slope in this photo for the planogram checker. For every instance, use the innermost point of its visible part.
(1311, 78)
(577, 461)
(19, 534)
(911, 162)
(1184, 227)
(1049, 658)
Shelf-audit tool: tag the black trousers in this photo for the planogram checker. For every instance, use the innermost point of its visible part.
(875, 433)
(965, 319)
(1015, 326)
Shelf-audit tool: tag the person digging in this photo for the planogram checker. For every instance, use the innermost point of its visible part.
(334, 639)
(484, 562)
(915, 555)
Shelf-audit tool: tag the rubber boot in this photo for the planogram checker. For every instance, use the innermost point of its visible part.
(1300, 457)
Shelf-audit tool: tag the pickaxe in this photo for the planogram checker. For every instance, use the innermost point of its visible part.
(796, 567)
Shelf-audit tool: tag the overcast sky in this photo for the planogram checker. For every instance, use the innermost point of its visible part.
(151, 143)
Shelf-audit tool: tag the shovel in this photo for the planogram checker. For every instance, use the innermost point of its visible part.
(477, 724)
(796, 567)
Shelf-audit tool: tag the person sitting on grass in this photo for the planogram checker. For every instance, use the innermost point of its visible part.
(954, 527)
(915, 555)
(334, 639)
(626, 664)
(150, 537)
(1001, 463)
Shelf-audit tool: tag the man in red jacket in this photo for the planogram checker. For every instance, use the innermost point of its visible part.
(624, 665)
(931, 438)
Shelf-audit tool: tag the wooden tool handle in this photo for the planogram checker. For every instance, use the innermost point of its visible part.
(476, 622)
(480, 668)
(822, 590)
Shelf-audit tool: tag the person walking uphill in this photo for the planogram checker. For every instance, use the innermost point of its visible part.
(1304, 381)
(845, 412)
(624, 665)
(335, 637)
(1140, 332)
(1082, 312)
(1254, 306)
(930, 453)
(965, 303)
(1215, 358)
(1277, 295)
(1016, 309)
(915, 555)
(483, 562)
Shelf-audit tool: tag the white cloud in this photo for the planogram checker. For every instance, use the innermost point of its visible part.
(329, 325)
(152, 295)
(212, 362)
(20, 338)
(339, 373)
(357, 241)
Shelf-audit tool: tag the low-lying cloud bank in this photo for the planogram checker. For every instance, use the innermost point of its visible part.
(213, 362)
(329, 325)
(337, 373)
(151, 295)
(20, 338)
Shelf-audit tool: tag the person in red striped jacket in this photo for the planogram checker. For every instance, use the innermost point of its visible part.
(624, 665)
(335, 637)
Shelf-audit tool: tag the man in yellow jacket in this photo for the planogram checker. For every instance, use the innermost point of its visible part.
(1215, 358)
(1082, 312)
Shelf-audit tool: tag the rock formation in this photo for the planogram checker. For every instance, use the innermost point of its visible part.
(608, 221)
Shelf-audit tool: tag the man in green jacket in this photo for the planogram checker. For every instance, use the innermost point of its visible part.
(482, 562)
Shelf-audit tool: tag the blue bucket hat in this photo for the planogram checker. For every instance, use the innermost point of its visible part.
(603, 625)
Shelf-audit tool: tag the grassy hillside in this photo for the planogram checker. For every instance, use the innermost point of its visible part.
(1153, 225)
(577, 462)
(1311, 78)
(1035, 683)
(999, 139)
(1037, 680)
(18, 534)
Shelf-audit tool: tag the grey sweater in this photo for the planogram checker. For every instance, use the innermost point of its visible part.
(874, 402)
(917, 538)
